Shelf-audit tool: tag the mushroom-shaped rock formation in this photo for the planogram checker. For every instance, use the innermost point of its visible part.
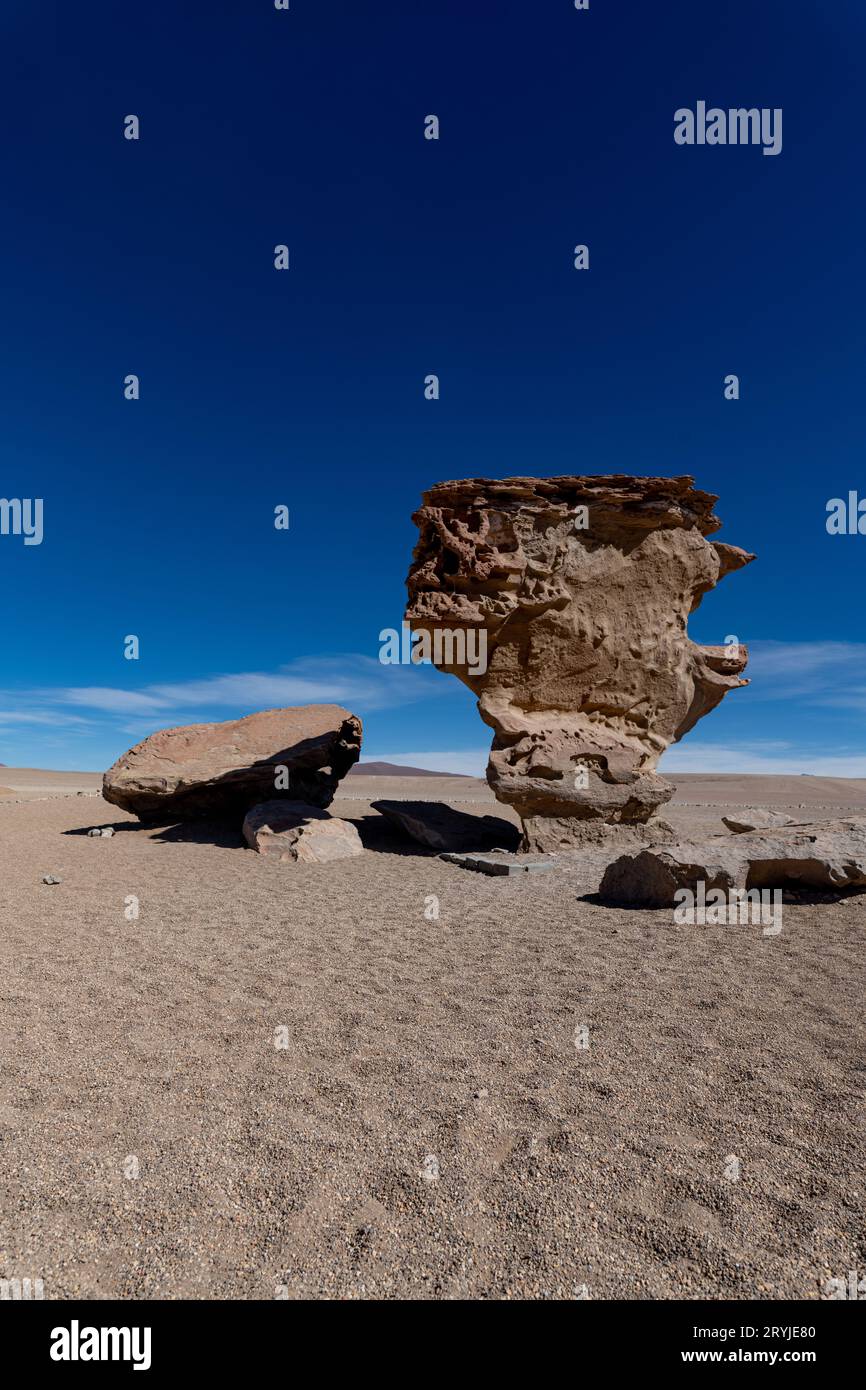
(579, 589)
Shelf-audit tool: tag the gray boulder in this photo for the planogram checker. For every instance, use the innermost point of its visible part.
(830, 855)
(292, 831)
(758, 818)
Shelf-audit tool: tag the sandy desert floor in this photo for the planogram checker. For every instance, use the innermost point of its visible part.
(428, 1126)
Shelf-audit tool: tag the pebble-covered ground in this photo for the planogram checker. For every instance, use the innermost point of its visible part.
(392, 1078)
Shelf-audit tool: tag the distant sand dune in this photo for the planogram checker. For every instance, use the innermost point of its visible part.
(383, 769)
(32, 782)
(381, 779)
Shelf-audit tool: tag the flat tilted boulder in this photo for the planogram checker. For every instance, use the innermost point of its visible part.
(437, 826)
(213, 771)
(742, 822)
(830, 855)
(294, 831)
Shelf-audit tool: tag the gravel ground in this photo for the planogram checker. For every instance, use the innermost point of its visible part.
(290, 1080)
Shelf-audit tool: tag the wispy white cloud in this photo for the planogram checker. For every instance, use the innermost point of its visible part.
(350, 679)
(820, 673)
(774, 759)
(30, 716)
(827, 673)
(828, 676)
(309, 680)
(106, 699)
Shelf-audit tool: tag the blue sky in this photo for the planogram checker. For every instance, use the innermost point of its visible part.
(305, 387)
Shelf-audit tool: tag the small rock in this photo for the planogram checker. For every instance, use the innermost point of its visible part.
(757, 819)
(294, 831)
(94, 832)
(107, 832)
(430, 1168)
(49, 878)
(511, 865)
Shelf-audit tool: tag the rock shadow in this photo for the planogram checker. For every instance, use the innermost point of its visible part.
(792, 896)
(436, 827)
(224, 834)
(378, 835)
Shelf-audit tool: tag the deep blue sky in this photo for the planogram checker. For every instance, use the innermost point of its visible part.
(408, 257)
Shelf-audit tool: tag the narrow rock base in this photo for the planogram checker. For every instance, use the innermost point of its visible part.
(553, 834)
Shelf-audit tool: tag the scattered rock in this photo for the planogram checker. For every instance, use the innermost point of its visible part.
(756, 819)
(831, 855)
(589, 672)
(206, 771)
(291, 830)
(500, 863)
(437, 826)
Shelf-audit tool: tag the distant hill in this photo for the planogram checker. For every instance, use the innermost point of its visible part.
(374, 769)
